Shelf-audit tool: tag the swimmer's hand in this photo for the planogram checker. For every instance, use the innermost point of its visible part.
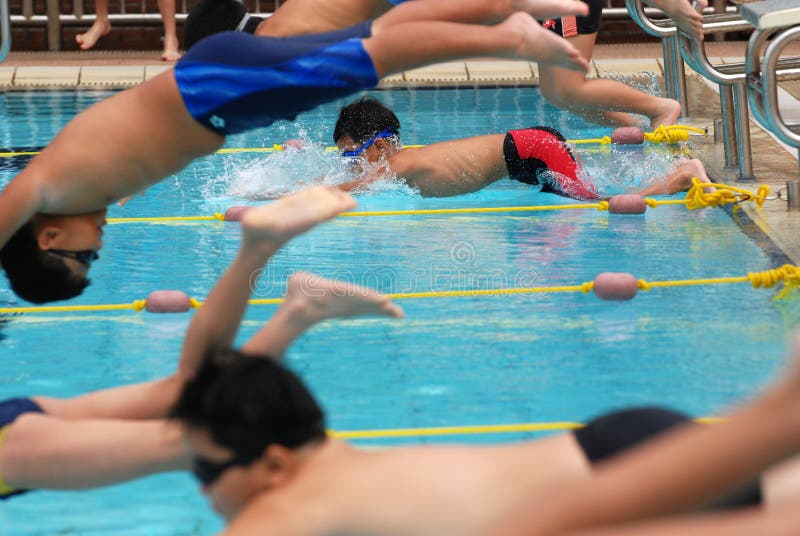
(294, 144)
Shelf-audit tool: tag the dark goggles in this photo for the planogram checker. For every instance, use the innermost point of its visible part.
(207, 472)
(84, 256)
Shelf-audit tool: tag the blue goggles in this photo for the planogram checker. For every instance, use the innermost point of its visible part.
(385, 133)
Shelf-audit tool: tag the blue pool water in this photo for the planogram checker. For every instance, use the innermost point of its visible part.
(452, 361)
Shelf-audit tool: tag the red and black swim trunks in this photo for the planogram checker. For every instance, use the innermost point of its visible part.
(533, 150)
(572, 25)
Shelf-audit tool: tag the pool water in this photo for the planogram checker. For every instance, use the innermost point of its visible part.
(452, 361)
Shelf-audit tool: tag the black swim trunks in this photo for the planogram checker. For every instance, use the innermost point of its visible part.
(9, 411)
(615, 432)
(571, 25)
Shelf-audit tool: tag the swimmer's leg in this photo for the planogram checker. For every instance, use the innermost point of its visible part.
(167, 10)
(679, 180)
(46, 452)
(311, 299)
(602, 100)
(407, 46)
(475, 11)
(100, 27)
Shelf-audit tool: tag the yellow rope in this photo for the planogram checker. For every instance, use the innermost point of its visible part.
(695, 199)
(787, 274)
(605, 140)
(473, 430)
(662, 134)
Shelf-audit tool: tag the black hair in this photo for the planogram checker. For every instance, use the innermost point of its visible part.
(214, 16)
(362, 119)
(247, 403)
(34, 274)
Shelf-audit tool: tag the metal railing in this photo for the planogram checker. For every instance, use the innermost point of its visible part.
(763, 75)
(679, 47)
(732, 91)
(5, 30)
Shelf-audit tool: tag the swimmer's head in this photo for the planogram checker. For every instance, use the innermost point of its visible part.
(214, 16)
(367, 129)
(250, 423)
(49, 257)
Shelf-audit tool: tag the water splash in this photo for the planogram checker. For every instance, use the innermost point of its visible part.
(621, 170)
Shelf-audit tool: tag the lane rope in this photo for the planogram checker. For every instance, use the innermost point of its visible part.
(663, 134)
(788, 275)
(696, 198)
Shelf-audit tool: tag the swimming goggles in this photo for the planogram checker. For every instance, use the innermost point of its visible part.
(385, 133)
(207, 472)
(84, 256)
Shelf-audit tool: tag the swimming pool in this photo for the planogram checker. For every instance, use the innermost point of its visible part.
(453, 361)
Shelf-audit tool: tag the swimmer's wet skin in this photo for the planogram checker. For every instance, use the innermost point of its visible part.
(251, 420)
(153, 130)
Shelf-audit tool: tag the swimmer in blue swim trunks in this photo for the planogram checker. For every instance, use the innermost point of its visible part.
(300, 17)
(368, 131)
(120, 433)
(52, 213)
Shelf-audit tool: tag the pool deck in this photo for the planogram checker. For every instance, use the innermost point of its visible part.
(773, 162)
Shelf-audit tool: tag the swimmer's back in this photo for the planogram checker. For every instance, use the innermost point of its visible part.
(413, 491)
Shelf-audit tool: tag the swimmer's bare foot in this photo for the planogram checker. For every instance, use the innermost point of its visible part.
(313, 298)
(170, 49)
(551, 8)
(680, 180)
(543, 46)
(88, 39)
(274, 224)
(683, 13)
(667, 113)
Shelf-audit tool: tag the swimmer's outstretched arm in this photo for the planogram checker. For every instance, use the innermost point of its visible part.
(53, 452)
(780, 521)
(684, 469)
(46, 452)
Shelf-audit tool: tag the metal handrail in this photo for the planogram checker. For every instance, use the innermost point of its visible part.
(5, 30)
(732, 90)
(770, 85)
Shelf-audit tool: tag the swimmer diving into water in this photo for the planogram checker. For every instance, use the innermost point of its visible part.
(51, 213)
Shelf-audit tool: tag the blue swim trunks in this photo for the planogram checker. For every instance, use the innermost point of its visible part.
(232, 82)
(9, 411)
